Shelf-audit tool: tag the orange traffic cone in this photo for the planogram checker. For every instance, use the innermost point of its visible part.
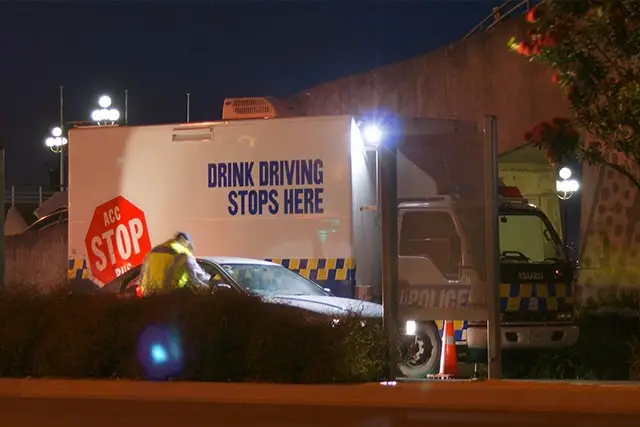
(448, 358)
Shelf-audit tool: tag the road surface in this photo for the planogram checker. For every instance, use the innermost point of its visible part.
(70, 412)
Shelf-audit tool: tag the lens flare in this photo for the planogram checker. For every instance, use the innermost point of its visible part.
(160, 352)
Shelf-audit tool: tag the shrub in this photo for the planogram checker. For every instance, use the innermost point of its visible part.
(225, 337)
(606, 350)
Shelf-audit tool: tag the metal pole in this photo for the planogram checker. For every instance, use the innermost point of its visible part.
(389, 228)
(62, 146)
(2, 219)
(377, 153)
(126, 107)
(565, 221)
(492, 248)
(61, 106)
(188, 106)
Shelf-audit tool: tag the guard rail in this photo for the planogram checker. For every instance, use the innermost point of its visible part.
(27, 196)
(499, 13)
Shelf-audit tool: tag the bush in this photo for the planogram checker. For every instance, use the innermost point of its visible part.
(607, 349)
(226, 337)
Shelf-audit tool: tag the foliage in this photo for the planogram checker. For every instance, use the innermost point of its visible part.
(225, 337)
(606, 350)
(594, 49)
(614, 300)
(634, 370)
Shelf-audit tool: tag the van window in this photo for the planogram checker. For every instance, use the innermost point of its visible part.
(434, 235)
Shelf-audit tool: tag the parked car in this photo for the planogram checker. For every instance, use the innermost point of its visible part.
(269, 281)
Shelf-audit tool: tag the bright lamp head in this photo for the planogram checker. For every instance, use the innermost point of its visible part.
(565, 173)
(104, 101)
(372, 134)
(567, 186)
(56, 132)
(113, 114)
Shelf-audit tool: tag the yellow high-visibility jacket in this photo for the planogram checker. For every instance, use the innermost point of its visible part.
(166, 268)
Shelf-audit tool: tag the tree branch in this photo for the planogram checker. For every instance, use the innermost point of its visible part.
(623, 171)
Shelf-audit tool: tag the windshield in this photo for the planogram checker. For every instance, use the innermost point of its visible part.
(272, 280)
(527, 236)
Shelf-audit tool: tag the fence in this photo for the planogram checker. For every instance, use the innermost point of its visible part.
(499, 13)
(33, 196)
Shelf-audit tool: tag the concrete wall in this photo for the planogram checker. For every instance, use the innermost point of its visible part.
(37, 258)
(610, 228)
(467, 80)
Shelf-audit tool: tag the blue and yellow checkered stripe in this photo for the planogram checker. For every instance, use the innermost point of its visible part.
(460, 330)
(516, 297)
(337, 274)
(78, 269)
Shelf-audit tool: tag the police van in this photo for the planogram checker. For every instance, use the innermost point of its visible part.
(302, 192)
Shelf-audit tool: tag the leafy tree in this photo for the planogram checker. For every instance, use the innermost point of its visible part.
(594, 49)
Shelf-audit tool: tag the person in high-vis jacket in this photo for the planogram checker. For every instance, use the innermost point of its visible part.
(171, 266)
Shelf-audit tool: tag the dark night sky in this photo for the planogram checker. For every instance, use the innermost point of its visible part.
(161, 50)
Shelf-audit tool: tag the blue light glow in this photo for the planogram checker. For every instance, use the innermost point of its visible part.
(158, 354)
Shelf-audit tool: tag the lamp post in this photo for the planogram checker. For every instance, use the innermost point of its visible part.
(105, 115)
(565, 188)
(56, 142)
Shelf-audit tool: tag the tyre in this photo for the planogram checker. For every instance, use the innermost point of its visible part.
(424, 356)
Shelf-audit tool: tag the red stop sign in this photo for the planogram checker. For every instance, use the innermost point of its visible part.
(117, 239)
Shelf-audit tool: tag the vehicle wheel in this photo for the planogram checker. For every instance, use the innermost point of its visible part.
(424, 357)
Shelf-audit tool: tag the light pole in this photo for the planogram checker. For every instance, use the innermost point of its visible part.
(56, 143)
(105, 115)
(565, 188)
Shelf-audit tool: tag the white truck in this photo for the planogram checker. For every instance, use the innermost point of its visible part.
(298, 191)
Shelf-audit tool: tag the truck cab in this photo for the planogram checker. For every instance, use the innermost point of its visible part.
(536, 277)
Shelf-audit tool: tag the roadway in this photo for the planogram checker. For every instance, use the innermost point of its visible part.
(71, 412)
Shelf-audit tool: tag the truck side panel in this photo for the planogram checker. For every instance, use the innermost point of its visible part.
(266, 189)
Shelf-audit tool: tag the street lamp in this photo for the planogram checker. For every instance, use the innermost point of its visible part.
(565, 186)
(105, 115)
(56, 143)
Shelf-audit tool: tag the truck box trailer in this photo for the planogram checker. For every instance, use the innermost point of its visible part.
(302, 192)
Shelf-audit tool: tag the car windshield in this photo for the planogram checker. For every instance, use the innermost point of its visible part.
(528, 236)
(272, 280)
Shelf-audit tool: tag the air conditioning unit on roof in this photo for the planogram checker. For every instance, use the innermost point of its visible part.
(256, 108)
